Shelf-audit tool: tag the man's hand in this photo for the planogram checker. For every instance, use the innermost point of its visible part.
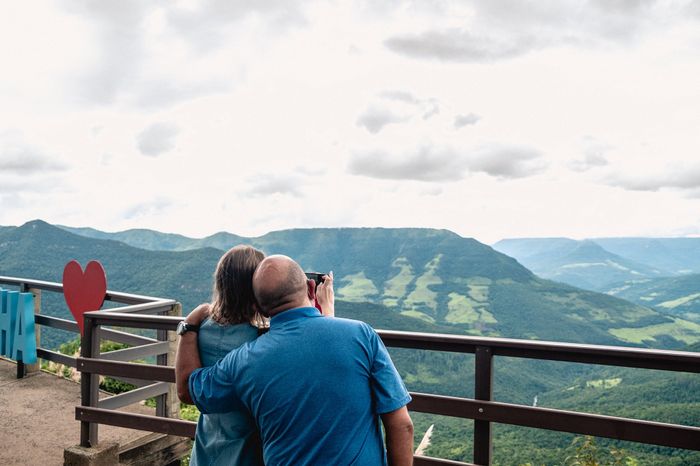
(187, 359)
(399, 437)
(198, 315)
(325, 296)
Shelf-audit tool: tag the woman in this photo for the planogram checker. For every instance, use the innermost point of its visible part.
(232, 438)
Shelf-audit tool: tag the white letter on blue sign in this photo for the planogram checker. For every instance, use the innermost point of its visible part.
(8, 301)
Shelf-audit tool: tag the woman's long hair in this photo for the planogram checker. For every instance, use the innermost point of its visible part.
(233, 301)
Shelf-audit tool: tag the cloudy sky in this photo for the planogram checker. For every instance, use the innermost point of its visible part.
(493, 118)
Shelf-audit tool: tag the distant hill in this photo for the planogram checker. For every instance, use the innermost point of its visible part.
(157, 241)
(432, 275)
(674, 255)
(678, 296)
(417, 280)
(39, 250)
(579, 263)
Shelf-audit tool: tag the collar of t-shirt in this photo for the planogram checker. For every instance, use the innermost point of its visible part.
(292, 315)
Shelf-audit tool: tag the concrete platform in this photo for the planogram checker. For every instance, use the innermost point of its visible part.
(37, 418)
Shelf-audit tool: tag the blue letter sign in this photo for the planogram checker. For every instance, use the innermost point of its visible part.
(17, 336)
(7, 321)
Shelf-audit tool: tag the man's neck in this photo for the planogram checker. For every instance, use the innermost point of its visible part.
(290, 305)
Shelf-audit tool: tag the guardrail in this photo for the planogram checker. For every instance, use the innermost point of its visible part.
(483, 410)
(155, 378)
(162, 348)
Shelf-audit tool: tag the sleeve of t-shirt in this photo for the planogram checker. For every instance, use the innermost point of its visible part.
(388, 389)
(212, 388)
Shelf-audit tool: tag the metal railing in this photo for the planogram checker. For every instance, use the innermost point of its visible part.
(162, 348)
(483, 410)
(154, 378)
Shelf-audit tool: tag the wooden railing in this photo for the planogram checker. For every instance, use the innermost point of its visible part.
(483, 410)
(162, 347)
(156, 378)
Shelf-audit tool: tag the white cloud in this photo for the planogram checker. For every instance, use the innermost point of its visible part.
(508, 161)
(22, 158)
(425, 164)
(276, 104)
(460, 46)
(268, 185)
(594, 155)
(466, 120)
(505, 29)
(374, 119)
(682, 178)
(157, 139)
(430, 163)
(147, 54)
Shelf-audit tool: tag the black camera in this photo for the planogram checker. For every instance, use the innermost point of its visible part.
(315, 276)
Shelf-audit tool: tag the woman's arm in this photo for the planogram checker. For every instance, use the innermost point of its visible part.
(187, 359)
(325, 296)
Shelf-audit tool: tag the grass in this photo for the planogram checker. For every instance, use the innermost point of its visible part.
(479, 293)
(358, 288)
(422, 295)
(463, 310)
(679, 302)
(395, 287)
(682, 330)
(604, 383)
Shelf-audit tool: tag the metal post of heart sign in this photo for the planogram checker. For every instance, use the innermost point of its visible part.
(17, 328)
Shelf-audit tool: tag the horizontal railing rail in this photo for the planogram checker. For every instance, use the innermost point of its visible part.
(482, 410)
(157, 379)
(140, 347)
(675, 361)
(115, 296)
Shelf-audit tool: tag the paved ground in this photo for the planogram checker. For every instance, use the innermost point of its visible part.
(37, 418)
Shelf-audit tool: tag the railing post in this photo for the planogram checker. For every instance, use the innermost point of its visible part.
(168, 405)
(89, 382)
(32, 368)
(483, 390)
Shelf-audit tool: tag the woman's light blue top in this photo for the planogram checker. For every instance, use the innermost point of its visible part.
(230, 438)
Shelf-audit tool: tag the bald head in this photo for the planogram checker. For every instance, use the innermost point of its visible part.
(279, 284)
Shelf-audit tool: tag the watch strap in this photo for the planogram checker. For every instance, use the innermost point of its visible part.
(185, 327)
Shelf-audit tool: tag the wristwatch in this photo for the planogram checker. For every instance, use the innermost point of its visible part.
(183, 327)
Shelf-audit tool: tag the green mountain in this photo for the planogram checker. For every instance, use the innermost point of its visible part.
(40, 251)
(584, 264)
(677, 296)
(676, 255)
(428, 281)
(443, 278)
(157, 241)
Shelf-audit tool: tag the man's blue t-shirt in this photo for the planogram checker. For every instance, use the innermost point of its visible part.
(315, 386)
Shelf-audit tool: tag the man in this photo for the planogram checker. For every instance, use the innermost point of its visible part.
(315, 385)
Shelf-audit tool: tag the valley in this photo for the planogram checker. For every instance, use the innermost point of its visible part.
(426, 281)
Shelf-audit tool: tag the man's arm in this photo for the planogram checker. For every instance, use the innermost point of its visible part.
(187, 359)
(399, 437)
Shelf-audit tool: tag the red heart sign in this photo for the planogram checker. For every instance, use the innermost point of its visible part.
(86, 291)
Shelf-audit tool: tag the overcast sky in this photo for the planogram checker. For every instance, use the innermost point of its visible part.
(493, 118)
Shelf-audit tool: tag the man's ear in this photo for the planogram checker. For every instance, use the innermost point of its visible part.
(311, 289)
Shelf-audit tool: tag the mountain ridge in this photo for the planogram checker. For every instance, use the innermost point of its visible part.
(475, 283)
(433, 275)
